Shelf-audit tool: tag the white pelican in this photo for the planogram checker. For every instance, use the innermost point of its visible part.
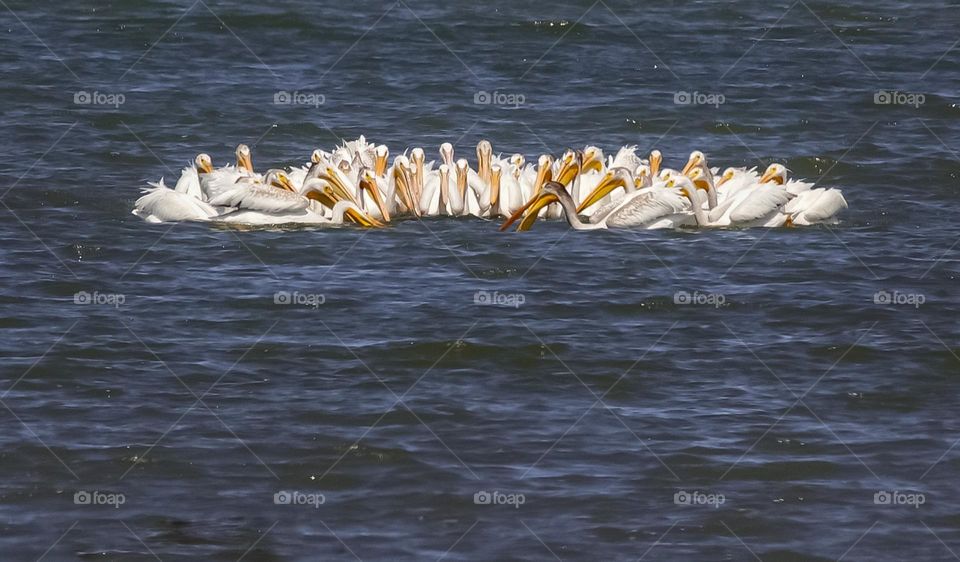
(182, 203)
(484, 161)
(820, 205)
(381, 153)
(417, 158)
(299, 175)
(162, 204)
(364, 191)
(777, 173)
(655, 161)
(401, 179)
(357, 153)
(809, 206)
(735, 179)
(760, 205)
(516, 165)
(505, 193)
(639, 211)
(698, 161)
(649, 207)
(221, 180)
(276, 202)
(533, 179)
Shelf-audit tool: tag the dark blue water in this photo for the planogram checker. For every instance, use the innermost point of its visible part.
(787, 416)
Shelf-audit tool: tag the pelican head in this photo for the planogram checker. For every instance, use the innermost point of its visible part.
(444, 176)
(681, 181)
(656, 159)
(495, 172)
(727, 176)
(775, 173)
(552, 192)
(368, 183)
(333, 199)
(643, 178)
(484, 159)
(517, 161)
(462, 168)
(279, 179)
(697, 159)
(614, 178)
(380, 160)
(203, 163)
(336, 179)
(446, 154)
(544, 171)
(592, 159)
(317, 156)
(569, 167)
(401, 175)
(701, 180)
(244, 160)
(417, 156)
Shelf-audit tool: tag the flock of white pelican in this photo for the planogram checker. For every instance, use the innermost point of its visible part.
(356, 183)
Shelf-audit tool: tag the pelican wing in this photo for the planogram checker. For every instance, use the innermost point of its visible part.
(761, 202)
(602, 211)
(796, 187)
(222, 180)
(162, 204)
(189, 183)
(263, 198)
(626, 158)
(817, 205)
(646, 206)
